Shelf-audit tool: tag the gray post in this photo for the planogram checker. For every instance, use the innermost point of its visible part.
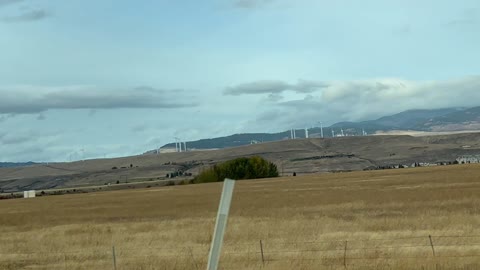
(221, 224)
(261, 250)
(431, 243)
(114, 258)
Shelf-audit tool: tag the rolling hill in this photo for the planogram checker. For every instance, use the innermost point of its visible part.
(303, 156)
(439, 120)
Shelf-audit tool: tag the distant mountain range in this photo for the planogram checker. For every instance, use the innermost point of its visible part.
(449, 119)
(15, 164)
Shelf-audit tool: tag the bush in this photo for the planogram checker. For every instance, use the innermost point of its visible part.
(239, 169)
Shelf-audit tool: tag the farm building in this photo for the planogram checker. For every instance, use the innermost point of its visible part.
(469, 159)
(29, 194)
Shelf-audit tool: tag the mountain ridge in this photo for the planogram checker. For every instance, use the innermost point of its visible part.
(435, 120)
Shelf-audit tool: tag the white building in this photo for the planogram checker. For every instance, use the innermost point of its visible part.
(29, 194)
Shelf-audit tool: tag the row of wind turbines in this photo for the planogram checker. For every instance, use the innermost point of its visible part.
(180, 146)
(293, 134)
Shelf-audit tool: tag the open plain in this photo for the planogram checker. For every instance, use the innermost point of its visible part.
(358, 220)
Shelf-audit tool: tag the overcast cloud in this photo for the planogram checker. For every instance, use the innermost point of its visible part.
(214, 68)
(34, 15)
(274, 87)
(32, 100)
(369, 99)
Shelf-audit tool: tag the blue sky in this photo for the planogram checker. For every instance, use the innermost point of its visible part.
(121, 77)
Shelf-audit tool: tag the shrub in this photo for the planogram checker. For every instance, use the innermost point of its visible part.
(239, 169)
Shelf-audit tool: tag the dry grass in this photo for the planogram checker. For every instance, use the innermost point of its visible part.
(302, 221)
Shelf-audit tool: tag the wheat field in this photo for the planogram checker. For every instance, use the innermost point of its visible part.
(358, 220)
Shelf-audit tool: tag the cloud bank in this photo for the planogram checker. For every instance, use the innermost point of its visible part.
(274, 87)
(34, 15)
(363, 100)
(33, 100)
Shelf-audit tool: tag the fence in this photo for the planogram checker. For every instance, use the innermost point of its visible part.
(348, 254)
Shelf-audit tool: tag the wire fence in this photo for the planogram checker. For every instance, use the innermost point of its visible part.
(344, 253)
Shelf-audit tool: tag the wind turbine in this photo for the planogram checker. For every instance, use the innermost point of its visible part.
(178, 145)
(333, 133)
(306, 133)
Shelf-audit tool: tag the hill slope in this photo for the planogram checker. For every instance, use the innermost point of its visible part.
(302, 156)
(449, 119)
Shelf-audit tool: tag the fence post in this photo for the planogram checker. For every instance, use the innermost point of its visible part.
(221, 223)
(261, 251)
(345, 255)
(431, 244)
(114, 258)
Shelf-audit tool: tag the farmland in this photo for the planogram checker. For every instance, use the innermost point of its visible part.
(361, 220)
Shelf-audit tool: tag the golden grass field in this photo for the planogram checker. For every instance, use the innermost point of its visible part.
(383, 217)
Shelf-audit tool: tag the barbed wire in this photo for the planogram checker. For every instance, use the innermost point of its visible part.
(231, 249)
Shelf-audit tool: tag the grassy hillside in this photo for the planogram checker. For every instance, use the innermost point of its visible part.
(300, 156)
(384, 219)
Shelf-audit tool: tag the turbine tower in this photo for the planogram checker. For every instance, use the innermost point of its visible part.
(343, 134)
(333, 133)
(306, 133)
(178, 145)
(321, 129)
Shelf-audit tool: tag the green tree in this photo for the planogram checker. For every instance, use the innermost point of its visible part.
(239, 169)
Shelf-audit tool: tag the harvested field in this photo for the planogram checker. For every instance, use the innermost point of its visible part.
(361, 220)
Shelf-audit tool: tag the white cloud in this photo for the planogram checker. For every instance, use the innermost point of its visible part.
(368, 99)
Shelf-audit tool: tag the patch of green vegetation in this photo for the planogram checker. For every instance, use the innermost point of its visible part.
(239, 169)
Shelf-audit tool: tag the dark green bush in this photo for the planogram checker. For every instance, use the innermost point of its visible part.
(239, 169)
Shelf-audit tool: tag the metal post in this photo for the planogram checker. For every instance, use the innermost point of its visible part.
(431, 243)
(261, 250)
(114, 258)
(221, 224)
(345, 255)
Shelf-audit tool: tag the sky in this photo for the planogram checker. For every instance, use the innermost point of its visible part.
(107, 78)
